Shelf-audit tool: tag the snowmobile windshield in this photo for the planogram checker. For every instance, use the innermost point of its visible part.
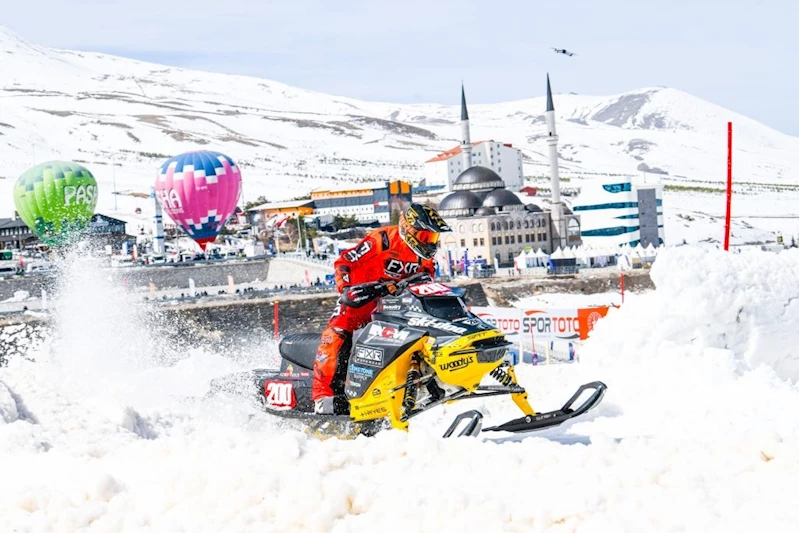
(445, 308)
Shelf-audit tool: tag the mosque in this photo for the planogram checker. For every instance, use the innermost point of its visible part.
(490, 223)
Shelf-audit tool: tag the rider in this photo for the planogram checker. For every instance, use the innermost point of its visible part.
(364, 273)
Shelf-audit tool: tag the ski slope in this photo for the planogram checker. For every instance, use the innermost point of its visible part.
(123, 118)
(109, 431)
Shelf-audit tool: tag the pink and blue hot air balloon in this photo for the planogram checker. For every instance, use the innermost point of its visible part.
(199, 191)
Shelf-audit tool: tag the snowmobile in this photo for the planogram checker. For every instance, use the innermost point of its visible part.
(421, 349)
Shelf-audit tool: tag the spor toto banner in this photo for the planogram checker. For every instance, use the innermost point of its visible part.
(543, 324)
(504, 319)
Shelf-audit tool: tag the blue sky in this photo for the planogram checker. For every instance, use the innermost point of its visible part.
(739, 55)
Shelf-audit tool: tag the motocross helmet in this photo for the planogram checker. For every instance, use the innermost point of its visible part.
(420, 227)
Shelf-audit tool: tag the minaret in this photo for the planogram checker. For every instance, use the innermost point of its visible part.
(466, 141)
(558, 222)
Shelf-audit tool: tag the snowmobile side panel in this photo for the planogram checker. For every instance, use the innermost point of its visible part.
(462, 364)
(287, 391)
(376, 347)
(377, 400)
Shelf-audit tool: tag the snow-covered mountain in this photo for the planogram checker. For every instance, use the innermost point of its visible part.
(123, 117)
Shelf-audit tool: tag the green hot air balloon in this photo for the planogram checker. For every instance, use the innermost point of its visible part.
(56, 200)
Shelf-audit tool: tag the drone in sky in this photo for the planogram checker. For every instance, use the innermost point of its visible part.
(563, 51)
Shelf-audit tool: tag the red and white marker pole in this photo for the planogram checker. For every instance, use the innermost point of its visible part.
(729, 187)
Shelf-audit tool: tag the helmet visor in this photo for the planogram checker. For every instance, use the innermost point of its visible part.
(427, 237)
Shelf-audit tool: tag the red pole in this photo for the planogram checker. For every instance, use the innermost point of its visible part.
(729, 187)
(621, 284)
(277, 320)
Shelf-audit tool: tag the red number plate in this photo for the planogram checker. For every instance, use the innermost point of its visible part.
(279, 394)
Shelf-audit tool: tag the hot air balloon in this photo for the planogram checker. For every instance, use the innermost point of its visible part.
(56, 200)
(199, 191)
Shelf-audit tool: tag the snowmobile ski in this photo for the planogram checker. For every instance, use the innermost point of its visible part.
(557, 417)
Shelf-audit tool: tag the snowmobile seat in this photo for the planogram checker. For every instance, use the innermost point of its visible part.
(300, 348)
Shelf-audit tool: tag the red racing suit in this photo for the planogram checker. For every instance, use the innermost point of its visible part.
(380, 256)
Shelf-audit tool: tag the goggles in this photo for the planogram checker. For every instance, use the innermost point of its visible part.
(427, 237)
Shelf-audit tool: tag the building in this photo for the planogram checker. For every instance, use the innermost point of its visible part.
(502, 158)
(105, 230)
(15, 234)
(370, 204)
(105, 226)
(491, 223)
(617, 211)
(367, 203)
(291, 209)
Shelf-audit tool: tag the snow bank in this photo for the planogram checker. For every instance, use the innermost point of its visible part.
(559, 300)
(8, 407)
(744, 303)
(19, 296)
(696, 433)
(709, 355)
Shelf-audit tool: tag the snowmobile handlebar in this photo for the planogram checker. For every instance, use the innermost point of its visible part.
(394, 287)
(402, 284)
(363, 293)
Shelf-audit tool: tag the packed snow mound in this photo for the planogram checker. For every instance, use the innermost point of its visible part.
(714, 347)
(744, 303)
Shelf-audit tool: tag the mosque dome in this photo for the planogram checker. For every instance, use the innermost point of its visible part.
(485, 211)
(477, 178)
(459, 203)
(501, 198)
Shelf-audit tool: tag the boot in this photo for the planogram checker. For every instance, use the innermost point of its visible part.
(332, 405)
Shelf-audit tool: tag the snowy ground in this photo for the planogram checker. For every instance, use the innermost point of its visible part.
(557, 300)
(108, 430)
(699, 217)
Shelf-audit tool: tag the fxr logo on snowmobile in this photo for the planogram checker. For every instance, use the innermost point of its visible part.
(397, 269)
(457, 364)
(369, 356)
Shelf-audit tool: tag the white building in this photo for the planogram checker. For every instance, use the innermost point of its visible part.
(617, 211)
(502, 158)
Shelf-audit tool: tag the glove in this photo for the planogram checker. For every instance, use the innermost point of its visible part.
(360, 295)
